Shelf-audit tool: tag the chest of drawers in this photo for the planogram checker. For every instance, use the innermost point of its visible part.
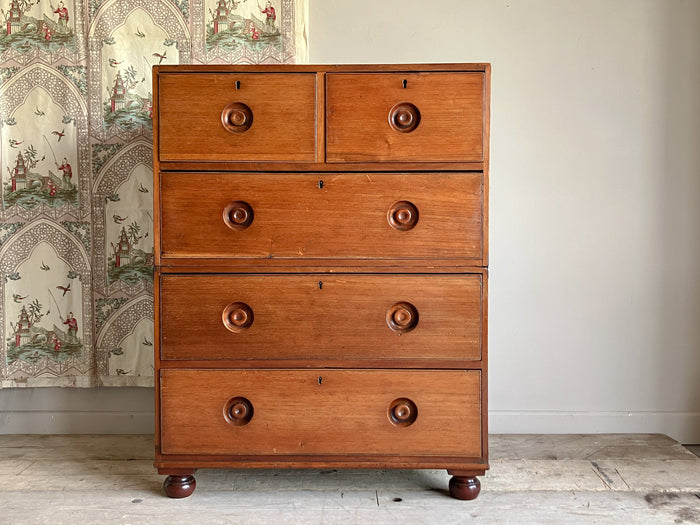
(321, 262)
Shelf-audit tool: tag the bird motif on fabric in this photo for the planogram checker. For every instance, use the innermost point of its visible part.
(161, 57)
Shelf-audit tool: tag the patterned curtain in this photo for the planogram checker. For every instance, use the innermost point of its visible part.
(76, 228)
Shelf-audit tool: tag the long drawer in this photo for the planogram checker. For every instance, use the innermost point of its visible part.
(435, 216)
(424, 318)
(333, 412)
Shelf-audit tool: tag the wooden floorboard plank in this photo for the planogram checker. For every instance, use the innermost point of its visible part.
(361, 507)
(593, 447)
(568, 479)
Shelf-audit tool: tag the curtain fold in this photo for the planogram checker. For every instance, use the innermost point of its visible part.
(76, 227)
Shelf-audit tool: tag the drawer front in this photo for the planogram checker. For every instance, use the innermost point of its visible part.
(402, 117)
(303, 412)
(269, 117)
(324, 216)
(322, 317)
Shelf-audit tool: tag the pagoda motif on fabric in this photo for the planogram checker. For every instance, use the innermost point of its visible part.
(122, 251)
(118, 98)
(14, 23)
(31, 342)
(128, 105)
(22, 336)
(128, 262)
(221, 22)
(235, 24)
(19, 174)
(31, 182)
(30, 24)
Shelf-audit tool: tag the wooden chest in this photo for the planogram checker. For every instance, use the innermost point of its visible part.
(321, 261)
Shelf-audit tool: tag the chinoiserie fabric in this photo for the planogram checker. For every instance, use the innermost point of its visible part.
(76, 221)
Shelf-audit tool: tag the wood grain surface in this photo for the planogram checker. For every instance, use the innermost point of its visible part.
(283, 110)
(329, 318)
(321, 273)
(344, 412)
(306, 216)
(359, 118)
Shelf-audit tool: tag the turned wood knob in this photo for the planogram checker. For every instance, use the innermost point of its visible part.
(402, 317)
(238, 215)
(237, 117)
(404, 117)
(403, 216)
(402, 412)
(237, 317)
(238, 411)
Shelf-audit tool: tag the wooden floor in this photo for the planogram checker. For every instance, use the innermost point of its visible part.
(557, 479)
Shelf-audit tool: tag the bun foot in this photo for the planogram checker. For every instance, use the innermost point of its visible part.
(179, 486)
(464, 487)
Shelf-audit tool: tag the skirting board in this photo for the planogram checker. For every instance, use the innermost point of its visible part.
(130, 411)
(77, 411)
(681, 426)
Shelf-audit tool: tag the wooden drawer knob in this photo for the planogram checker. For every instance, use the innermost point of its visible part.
(403, 216)
(238, 411)
(238, 215)
(402, 317)
(237, 117)
(237, 317)
(402, 412)
(404, 117)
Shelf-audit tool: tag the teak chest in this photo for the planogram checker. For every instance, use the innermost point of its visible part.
(321, 262)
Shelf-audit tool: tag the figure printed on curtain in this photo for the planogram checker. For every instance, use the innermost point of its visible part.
(28, 24)
(38, 152)
(44, 311)
(244, 23)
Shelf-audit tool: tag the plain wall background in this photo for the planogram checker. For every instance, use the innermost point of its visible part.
(594, 304)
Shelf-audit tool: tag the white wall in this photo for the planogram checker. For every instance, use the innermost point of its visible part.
(595, 225)
(595, 177)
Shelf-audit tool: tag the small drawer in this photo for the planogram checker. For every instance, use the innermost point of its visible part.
(237, 117)
(403, 117)
(322, 412)
(380, 216)
(329, 318)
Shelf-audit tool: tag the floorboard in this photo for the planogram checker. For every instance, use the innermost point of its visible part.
(557, 479)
